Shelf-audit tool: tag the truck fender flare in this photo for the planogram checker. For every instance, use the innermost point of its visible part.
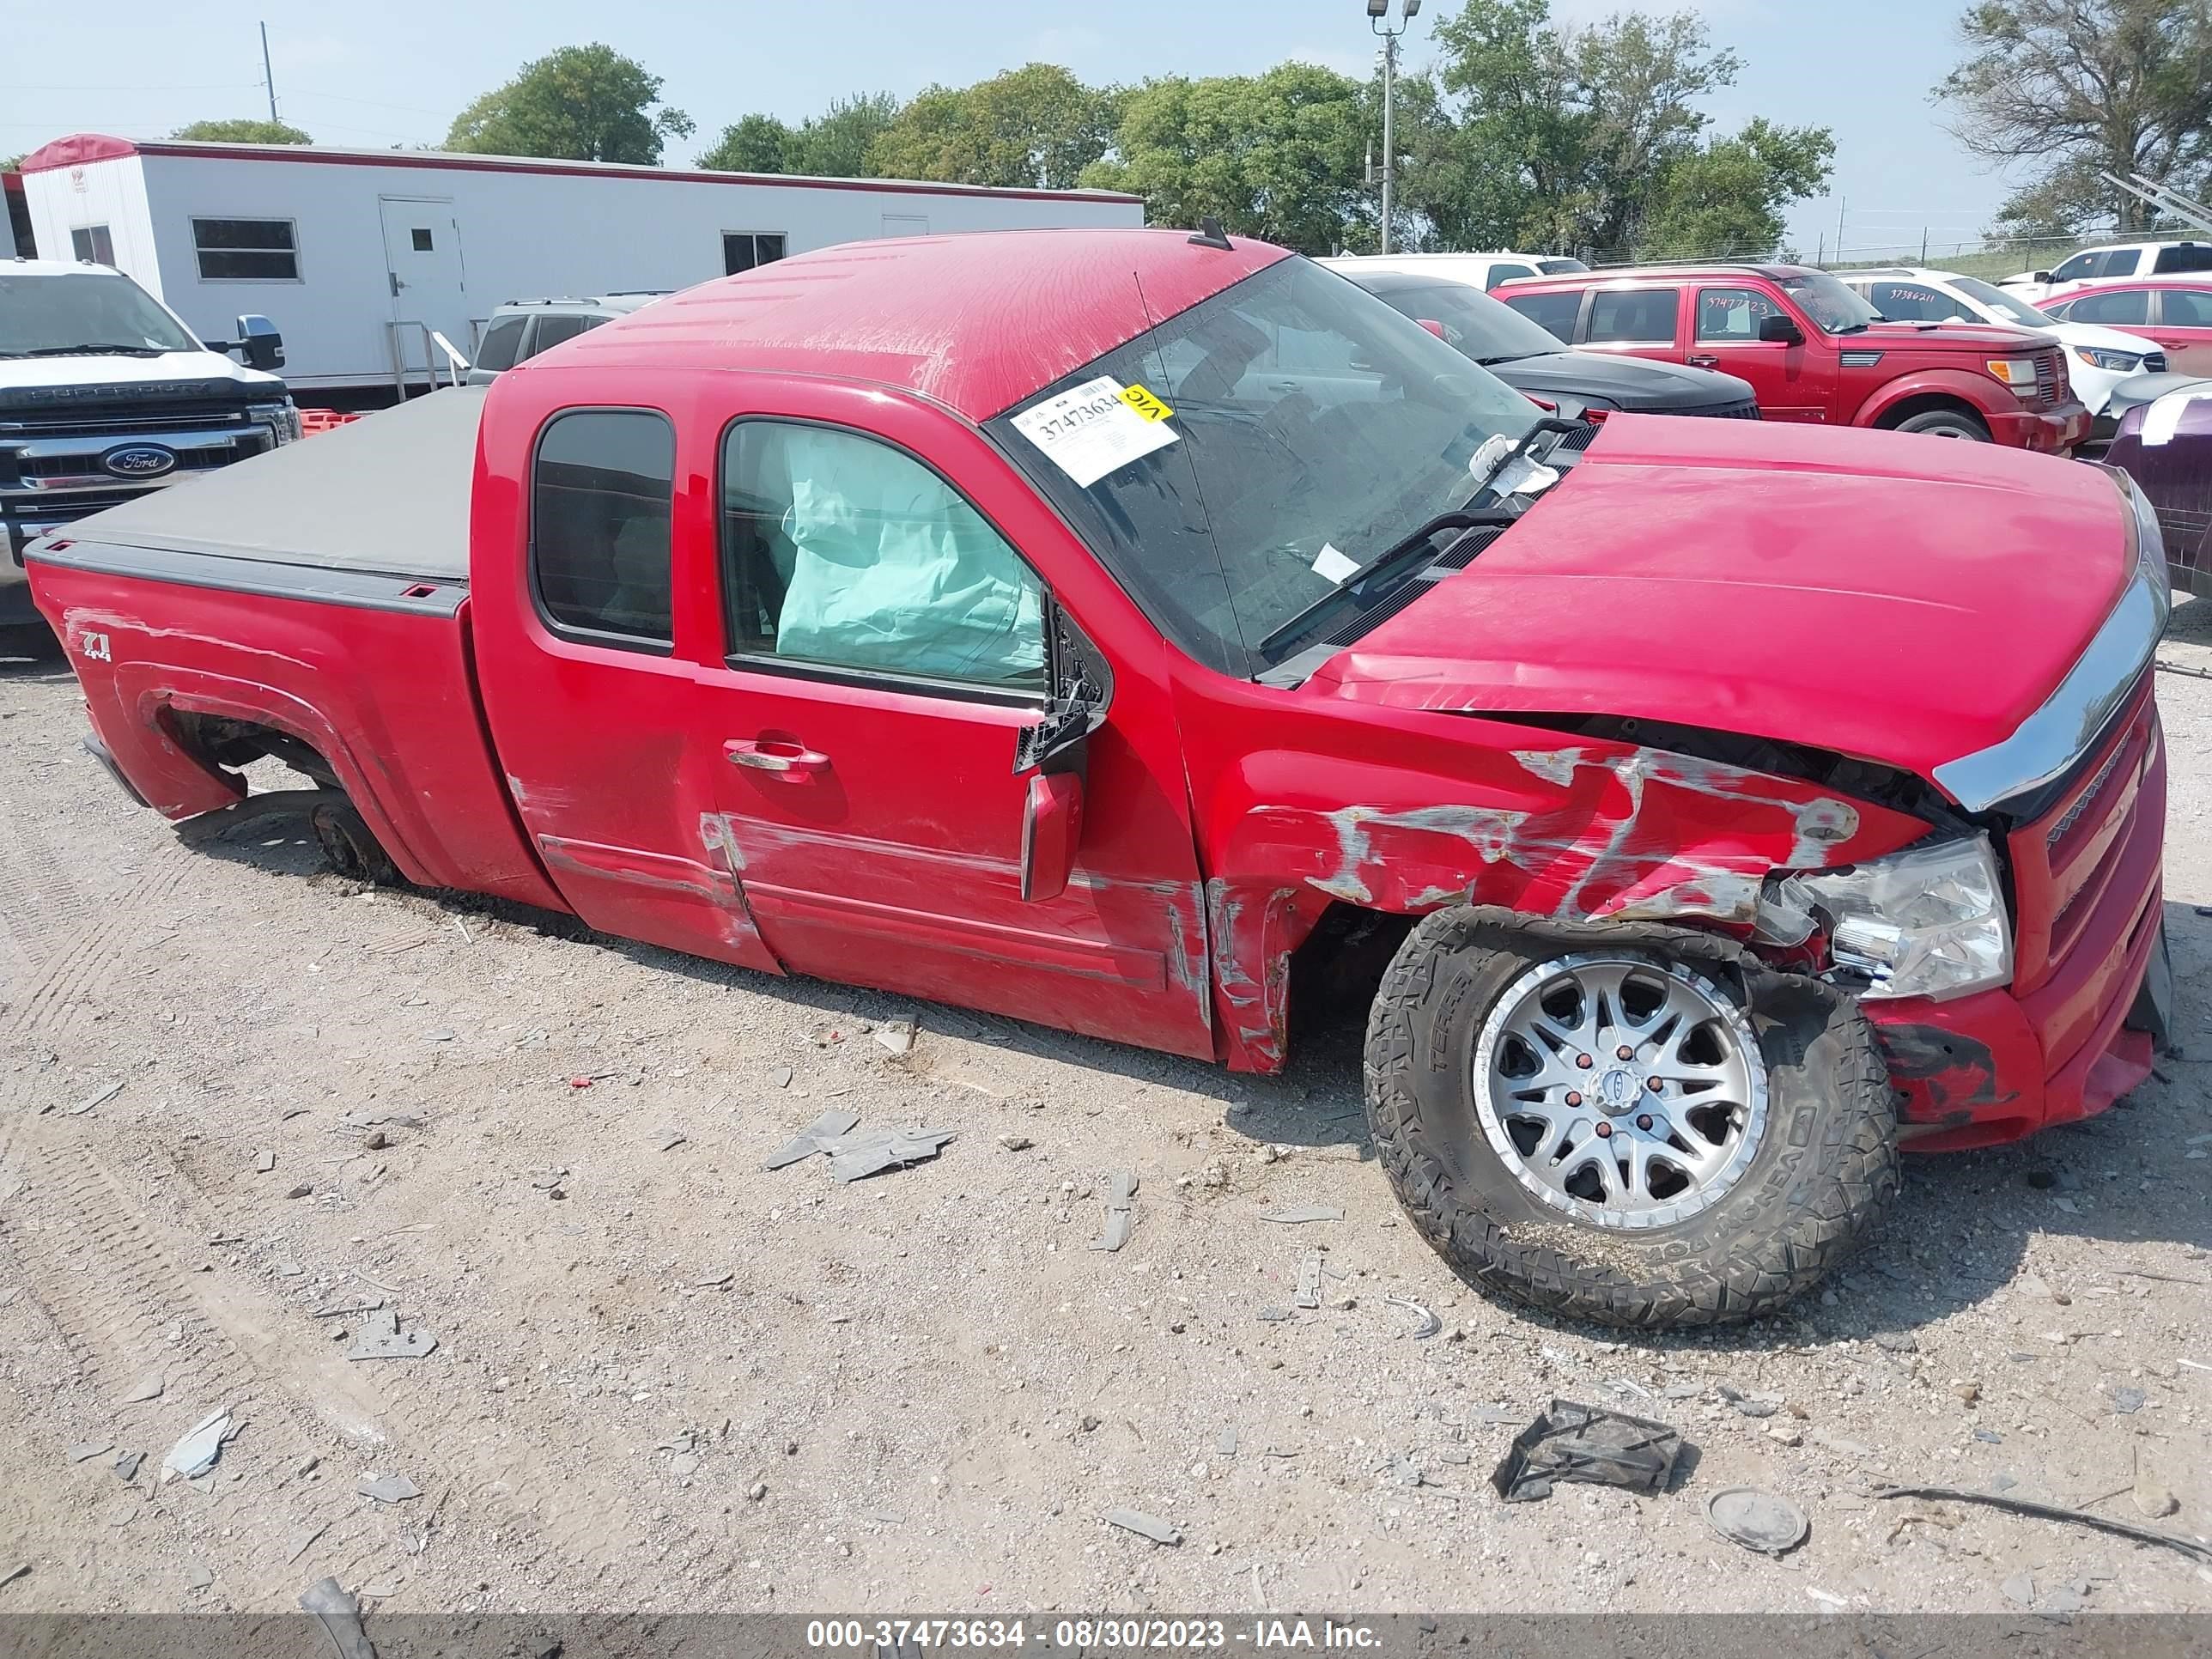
(1977, 391)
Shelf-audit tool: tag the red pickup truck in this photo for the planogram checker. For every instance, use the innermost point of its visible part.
(1129, 632)
(1815, 351)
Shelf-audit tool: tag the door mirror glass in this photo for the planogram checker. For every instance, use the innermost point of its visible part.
(259, 343)
(1052, 824)
(1775, 329)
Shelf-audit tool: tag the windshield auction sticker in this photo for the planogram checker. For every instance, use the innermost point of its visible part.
(1097, 428)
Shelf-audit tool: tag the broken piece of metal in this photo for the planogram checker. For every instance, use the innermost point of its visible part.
(85, 1451)
(1121, 1194)
(1309, 1292)
(808, 1141)
(381, 1338)
(387, 1488)
(340, 1617)
(127, 1464)
(896, 1035)
(352, 1304)
(99, 1099)
(1430, 1324)
(1756, 1520)
(147, 1387)
(870, 1151)
(1296, 1214)
(2171, 1541)
(1145, 1525)
(196, 1454)
(1573, 1442)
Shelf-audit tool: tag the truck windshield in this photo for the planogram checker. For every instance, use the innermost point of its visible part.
(2010, 307)
(1836, 309)
(1474, 325)
(1248, 454)
(84, 311)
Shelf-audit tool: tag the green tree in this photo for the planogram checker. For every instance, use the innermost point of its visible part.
(757, 144)
(578, 103)
(2074, 87)
(1277, 155)
(1728, 196)
(244, 130)
(1037, 126)
(839, 142)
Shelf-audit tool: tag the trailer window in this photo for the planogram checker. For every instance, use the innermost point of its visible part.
(743, 250)
(92, 245)
(601, 497)
(247, 250)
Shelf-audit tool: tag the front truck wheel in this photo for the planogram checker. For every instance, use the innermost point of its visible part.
(1641, 1126)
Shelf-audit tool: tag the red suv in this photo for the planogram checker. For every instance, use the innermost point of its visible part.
(1813, 350)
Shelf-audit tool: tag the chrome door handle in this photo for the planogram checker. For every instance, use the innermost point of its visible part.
(776, 757)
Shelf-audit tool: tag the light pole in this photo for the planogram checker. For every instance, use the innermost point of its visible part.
(1378, 19)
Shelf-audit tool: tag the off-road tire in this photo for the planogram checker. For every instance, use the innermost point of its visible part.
(1945, 423)
(1823, 1177)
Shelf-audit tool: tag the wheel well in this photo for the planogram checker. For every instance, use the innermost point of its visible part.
(1929, 403)
(1336, 969)
(227, 746)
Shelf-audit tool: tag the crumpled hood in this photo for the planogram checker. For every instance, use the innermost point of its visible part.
(1886, 596)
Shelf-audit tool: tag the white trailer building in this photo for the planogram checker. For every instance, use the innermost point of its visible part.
(357, 255)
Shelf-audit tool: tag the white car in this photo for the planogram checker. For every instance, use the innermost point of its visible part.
(1483, 270)
(2097, 359)
(2115, 259)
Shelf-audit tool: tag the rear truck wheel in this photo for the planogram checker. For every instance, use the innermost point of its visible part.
(1637, 1125)
(350, 846)
(1945, 423)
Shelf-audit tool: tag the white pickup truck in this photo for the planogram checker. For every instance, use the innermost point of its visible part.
(106, 394)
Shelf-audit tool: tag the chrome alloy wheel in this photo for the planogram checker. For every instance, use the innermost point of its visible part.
(1623, 1092)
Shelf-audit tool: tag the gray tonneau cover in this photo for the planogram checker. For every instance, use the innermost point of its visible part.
(386, 494)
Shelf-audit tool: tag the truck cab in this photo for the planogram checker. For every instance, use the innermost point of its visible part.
(105, 394)
(1815, 351)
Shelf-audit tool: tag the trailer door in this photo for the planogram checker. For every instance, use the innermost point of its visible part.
(422, 257)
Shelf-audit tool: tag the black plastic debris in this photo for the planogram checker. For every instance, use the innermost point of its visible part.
(1574, 1442)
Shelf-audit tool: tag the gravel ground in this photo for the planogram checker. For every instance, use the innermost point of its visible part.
(235, 1091)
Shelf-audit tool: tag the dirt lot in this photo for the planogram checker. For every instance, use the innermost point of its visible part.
(664, 1378)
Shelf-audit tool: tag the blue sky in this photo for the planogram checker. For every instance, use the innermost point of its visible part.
(396, 72)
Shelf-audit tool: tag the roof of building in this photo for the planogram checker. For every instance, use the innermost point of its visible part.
(80, 149)
(978, 321)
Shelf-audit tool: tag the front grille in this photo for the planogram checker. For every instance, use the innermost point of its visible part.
(1746, 411)
(167, 416)
(205, 458)
(2051, 384)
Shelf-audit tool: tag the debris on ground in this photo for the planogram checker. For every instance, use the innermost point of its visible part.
(265, 1161)
(1121, 1196)
(21, 1570)
(2127, 1400)
(147, 1387)
(1145, 1525)
(1296, 1214)
(2153, 1497)
(1016, 1143)
(1309, 1290)
(381, 1338)
(296, 1545)
(2056, 1512)
(670, 1139)
(836, 1121)
(198, 1575)
(1429, 1324)
(340, 1616)
(85, 1451)
(1756, 1520)
(1226, 1443)
(127, 1464)
(1272, 1316)
(352, 1304)
(870, 1151)
(99, 1099)
(896, 1035)
(387, 1488)
(1574, 1442)
(780, 1077)
(196, 1454)
(1896, 1341)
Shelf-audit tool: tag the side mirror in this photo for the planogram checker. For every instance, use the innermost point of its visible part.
(2040, 277)
(1052, 824)
(259, 343)
(1775, 329)
(1432, 326)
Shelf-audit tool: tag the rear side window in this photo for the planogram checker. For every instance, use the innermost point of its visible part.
(2193, 256)
(1913, 302)
(1634, 316)
(1506, 274)
(600, 500)
(2117, 262)
(1555, 312)
(499, 343)
(1732, 313)
(2184, 307)
(552, 330)
(2131, 306)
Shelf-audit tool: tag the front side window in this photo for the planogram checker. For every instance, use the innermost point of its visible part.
(1834, 309)
(2187, 256)
(2130, 308)
(1240, 496)
(84, 311)
(2074, 269)
(247, 250)
(1632, 316)
(840, 551)
(1728, 315)
(1555, 314)
(93, 245)
(601, 495)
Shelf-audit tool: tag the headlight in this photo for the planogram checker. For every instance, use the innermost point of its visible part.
(1929, 922)
(2120, 362)
(2018, 373)
(283, 419)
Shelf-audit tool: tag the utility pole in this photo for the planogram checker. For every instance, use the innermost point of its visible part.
(1842, 201)
(268, 79)
(1378, 19)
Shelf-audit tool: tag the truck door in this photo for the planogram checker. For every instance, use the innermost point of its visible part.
(422, 262)
(881, 641)
(1789, 382)
(591, 710)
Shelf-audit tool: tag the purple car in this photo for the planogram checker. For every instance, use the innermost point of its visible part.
(2165, 444)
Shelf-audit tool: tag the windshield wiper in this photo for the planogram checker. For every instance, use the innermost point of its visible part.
(1397, 554)
(94, 349)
